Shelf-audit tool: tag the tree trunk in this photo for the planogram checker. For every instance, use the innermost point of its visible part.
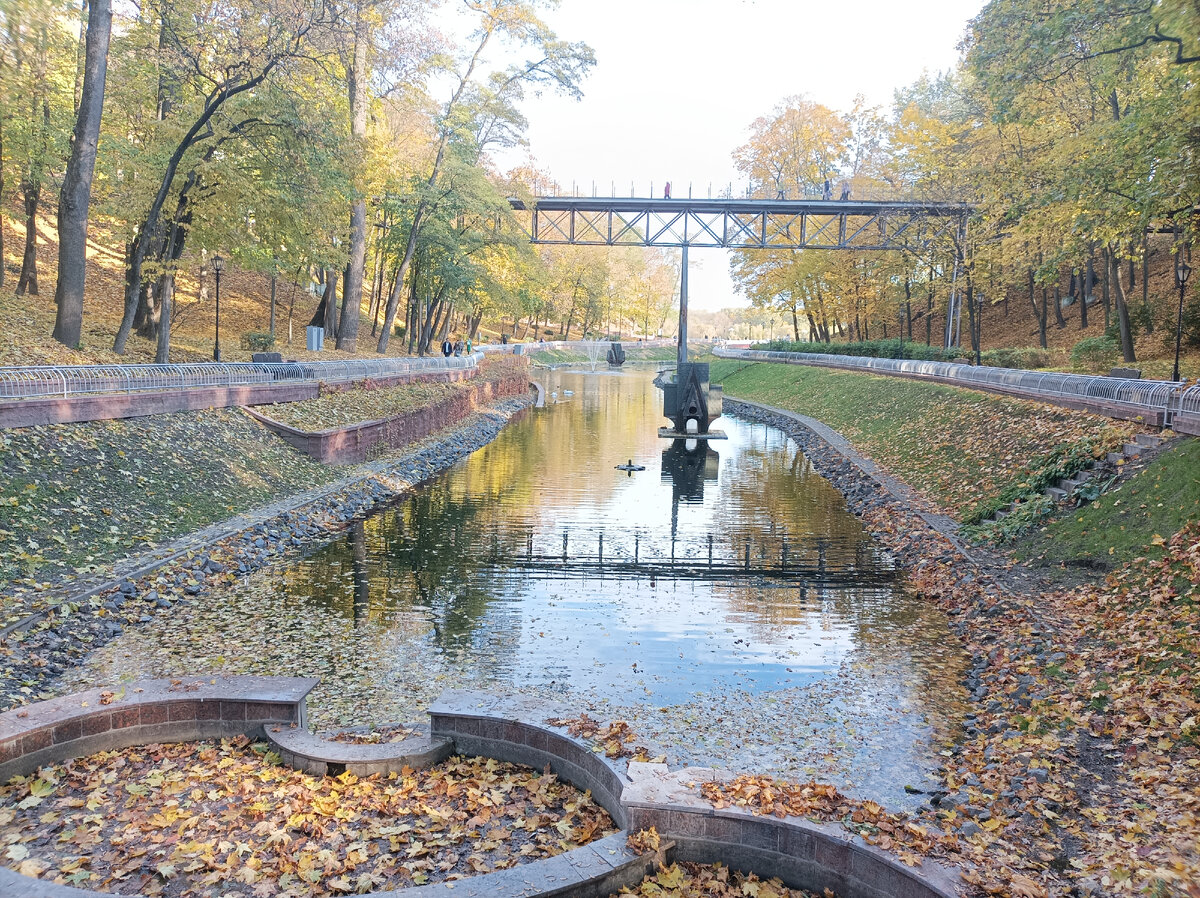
(1082, 286)
(330, 299)
(929, 309)
(1122, 308)
(359, 79)
(28, 280)
(1059, 321)
(1040, 316)
(3, 273)
(1149, 316)
(1106, 257)
(166, 295)
(77, 181)
(972, 319)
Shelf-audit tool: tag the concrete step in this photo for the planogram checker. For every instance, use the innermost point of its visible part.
(1116, 458)
(1069, 484)
(1148, 440)
(1000, 515)
(1133, 450)
(1055, 493)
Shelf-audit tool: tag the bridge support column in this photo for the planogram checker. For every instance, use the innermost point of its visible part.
(683, 298)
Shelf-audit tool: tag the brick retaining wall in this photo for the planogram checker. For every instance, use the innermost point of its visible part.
(346, 445)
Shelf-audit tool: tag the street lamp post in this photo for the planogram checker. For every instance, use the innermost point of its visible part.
(1182, 270)
(218, 266)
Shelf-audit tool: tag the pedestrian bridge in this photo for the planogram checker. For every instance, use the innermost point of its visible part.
(741, 223)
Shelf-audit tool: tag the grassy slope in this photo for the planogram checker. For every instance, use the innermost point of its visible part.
(76, 495)
(1157, 501)
(959, 447)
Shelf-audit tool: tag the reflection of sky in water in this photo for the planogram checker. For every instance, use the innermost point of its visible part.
(535, 562)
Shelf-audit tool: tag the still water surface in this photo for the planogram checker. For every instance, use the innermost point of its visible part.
(723, 599)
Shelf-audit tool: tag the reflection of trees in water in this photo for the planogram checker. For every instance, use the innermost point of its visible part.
(421, 559)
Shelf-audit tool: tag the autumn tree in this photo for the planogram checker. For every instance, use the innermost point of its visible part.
(76, 194)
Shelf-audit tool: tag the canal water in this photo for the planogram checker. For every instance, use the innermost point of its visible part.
(722, 600)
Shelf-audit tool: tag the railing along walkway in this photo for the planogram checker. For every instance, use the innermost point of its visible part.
(1155, 401)
(41, 381)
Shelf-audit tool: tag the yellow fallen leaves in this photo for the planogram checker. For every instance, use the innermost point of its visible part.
(822, 801)
(178, 820)
(615, 739)
(716, 880)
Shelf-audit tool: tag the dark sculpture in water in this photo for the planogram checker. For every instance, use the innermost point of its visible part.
(616, 355)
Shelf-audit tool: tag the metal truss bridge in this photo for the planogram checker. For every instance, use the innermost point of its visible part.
(742, 223)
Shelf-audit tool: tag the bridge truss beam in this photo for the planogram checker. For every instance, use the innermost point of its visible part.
(742, 223)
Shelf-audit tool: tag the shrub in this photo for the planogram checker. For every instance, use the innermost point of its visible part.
(879, 349)
(399, 330)
(258, 341)
(1019, 357)
(1095, 354)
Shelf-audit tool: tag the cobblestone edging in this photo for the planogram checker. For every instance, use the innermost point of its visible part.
(804, 854)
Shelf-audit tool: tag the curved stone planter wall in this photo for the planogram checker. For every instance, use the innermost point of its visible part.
(150, 711)
(802, 853)
(346, 445)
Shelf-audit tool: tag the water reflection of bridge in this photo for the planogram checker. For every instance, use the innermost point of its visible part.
(815, 576)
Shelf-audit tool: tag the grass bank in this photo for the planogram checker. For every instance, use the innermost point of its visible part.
(961, 448)
(74, 498)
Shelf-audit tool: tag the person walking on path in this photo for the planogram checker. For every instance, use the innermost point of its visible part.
(447, 348)
(827, 193)
(468, 345)
(845, 190)
(458, 348)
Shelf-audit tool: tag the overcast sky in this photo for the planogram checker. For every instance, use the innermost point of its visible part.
(678, 82)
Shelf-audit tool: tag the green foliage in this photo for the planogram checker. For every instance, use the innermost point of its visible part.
(1045, 471)
(1026, 357)
(880, 349)
(1023, 518)
(1121, 524)
(258, 341)
(1095, 355)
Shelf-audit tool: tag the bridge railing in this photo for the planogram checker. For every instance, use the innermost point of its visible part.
(41, 381)
(1152, 397)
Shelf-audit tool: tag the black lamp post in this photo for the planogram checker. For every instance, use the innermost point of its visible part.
(218, 266)
(1182, 270)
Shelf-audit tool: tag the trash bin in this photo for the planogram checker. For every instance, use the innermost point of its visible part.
(315, 338)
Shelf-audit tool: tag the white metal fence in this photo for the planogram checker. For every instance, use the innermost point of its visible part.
(40, 381)
(1132, 395)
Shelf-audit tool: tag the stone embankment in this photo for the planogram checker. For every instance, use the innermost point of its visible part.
(40, 646)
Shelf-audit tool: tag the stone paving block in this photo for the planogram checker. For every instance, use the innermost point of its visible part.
(67, 732)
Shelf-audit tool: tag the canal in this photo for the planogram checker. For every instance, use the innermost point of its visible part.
(722, 600)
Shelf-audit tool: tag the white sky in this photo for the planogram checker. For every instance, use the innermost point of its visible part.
(678, 82)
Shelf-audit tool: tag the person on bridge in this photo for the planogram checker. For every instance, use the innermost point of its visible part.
(845, 190)
(667, 191)
(827, 193)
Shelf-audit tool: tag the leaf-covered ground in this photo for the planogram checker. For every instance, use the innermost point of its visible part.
(687, 880)
(74, 496)
(959, 447)
(199, 819)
